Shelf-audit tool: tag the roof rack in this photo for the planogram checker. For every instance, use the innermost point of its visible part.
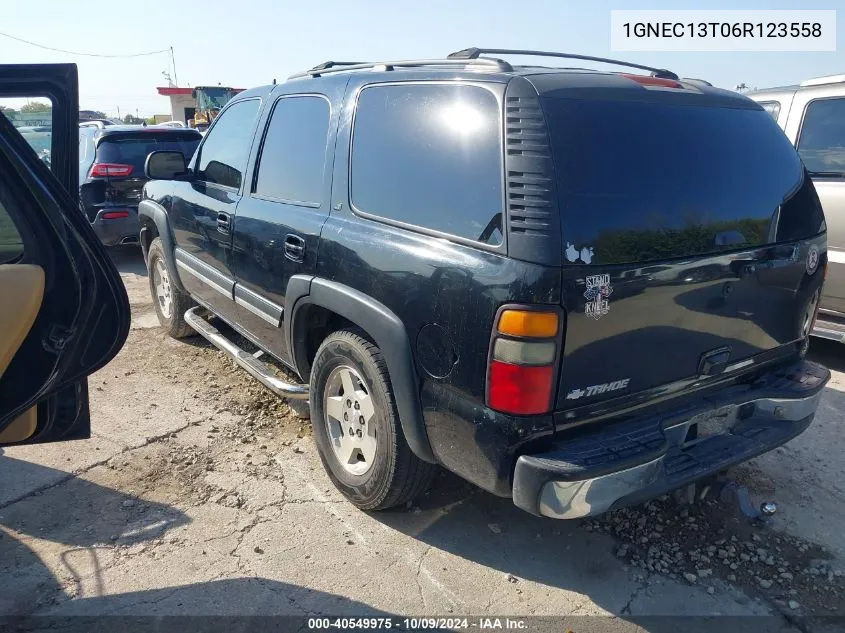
(820, 81)
(475, 53)
(335, 67)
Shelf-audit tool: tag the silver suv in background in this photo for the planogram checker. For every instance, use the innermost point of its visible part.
(812, 114)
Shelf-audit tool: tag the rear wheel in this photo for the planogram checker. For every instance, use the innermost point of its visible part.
(170, 302)
(356, 426)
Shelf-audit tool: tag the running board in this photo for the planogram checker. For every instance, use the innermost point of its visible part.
(254, 367)
(829, 333)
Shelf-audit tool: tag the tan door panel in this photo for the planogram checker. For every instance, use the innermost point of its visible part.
(21, 294)
(21, 428)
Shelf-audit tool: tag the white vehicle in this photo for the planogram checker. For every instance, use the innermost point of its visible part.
(171, 124)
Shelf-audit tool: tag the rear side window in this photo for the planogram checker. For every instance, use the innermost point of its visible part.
(772, 107)
(647, 181)
(822, 140)
(430, 156)
(133, 149)
(293, 156)
(225, 151)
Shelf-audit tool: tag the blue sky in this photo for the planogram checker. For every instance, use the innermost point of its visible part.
(249, 42)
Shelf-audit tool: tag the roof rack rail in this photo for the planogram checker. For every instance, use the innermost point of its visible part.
(820, 81)
(475, 53)
(333, 64)
(335, 67)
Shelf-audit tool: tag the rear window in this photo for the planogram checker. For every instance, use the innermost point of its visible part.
(430, 155)
(134, 149)
(822, 141)
(646, 181)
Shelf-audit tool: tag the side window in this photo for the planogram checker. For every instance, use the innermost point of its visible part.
(772, 107)
(11, 244)
(293, 156)
(430, 155)
(822, 141)
(224, 153)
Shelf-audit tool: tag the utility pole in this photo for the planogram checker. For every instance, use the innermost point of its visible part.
(173, 61)
(118, 112)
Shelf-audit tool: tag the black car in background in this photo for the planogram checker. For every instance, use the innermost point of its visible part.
(111, 174)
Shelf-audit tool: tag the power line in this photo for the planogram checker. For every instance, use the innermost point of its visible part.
(61, 50)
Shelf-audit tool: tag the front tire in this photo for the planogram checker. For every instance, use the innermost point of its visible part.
(356, 426)
(170, 302)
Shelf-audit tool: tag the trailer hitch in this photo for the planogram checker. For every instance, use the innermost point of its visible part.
(729, 491)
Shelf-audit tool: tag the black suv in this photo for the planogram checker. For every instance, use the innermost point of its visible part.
(578, 289)
(111, 173)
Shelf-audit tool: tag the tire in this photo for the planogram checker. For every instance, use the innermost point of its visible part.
(385, 472)
(171, 314)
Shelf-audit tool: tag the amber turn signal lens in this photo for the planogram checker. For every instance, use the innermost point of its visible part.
(528, 323)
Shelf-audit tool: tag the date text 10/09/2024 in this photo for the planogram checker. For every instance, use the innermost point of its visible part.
(418, 624)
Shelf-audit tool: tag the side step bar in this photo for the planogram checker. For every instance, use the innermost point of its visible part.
(822, 331)
(258, 370)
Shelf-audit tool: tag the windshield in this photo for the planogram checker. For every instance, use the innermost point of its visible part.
(643, 181)
(133, 150)
(213, 98)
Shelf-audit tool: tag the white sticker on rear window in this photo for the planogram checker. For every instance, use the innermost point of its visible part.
(597, 293)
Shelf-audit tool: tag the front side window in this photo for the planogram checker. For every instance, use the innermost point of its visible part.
(224, 153)
(293, 156)
(430, 155)
(822, 141)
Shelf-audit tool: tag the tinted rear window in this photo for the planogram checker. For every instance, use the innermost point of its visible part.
(134, 149)
(430, 155)
(644, 181)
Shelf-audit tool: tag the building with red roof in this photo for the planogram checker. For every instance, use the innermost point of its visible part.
(183, 106)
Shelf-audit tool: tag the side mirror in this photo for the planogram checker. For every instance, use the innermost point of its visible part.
(165, 166)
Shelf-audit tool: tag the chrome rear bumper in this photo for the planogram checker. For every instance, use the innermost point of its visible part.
(650, 458)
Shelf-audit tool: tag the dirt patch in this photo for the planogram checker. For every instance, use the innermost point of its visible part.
(706, 542)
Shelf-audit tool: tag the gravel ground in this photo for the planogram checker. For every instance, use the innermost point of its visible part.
(202, 493)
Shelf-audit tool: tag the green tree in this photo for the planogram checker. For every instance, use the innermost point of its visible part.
(36, 106)
(131, 119)
(9, 112)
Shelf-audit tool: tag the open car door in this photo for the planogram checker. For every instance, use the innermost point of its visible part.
(64, 312)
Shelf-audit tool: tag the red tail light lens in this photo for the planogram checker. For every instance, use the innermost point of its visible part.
(522, 364)
(110, 169)
(115, 215)
(520, 389)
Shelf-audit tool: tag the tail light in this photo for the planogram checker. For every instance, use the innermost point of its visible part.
(115, 215)
(110, 169)
(522, 363)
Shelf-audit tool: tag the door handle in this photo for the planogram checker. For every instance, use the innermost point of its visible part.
(294, 247)
(224, 223)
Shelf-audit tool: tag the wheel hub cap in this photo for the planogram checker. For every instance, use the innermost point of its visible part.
(349, 414)
(161, 282)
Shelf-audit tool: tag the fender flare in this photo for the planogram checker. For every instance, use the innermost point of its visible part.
(387, 331)
(156, 213)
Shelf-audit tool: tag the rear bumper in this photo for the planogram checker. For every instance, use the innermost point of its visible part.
(115, 231)
(627, 463)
